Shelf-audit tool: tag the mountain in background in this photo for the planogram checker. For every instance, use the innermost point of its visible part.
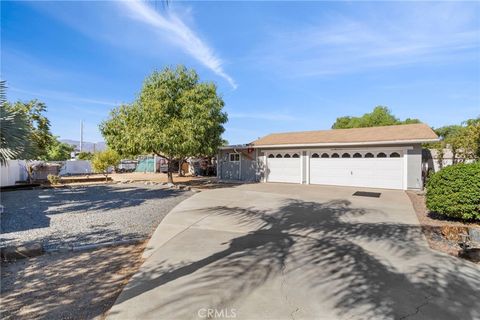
(87, 146)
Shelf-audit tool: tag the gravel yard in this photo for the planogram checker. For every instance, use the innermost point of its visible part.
(85, 214)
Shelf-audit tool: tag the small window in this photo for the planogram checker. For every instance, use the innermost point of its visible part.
(335, 155)
(315, 155)
(286, 156)
(278, 156)
(346, 155)
(271, 156)
(394, 155)
(234, 157)
(325, 155)
(357, 155)
(295, 156)
(368, 155)
(381, 155)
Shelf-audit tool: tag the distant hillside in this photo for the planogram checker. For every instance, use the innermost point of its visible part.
(87, 146)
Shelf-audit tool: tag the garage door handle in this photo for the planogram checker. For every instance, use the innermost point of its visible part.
(351, 172)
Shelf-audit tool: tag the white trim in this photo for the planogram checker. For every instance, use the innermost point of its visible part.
(302, 167)
(265, 166)
(405, 169)
(303, 145)
(307, 178)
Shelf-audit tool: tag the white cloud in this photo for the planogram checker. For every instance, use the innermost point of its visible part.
(180, 34)
(405, 34)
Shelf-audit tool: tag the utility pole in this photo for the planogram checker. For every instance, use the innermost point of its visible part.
(81, 135)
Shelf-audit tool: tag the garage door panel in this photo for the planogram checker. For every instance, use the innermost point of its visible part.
(361, 172)
(284, 170)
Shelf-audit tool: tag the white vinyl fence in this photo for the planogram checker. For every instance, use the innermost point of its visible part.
(75, 167)
(16, 170)
(13, 171)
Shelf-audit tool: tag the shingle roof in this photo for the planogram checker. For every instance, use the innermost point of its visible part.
(407, 132)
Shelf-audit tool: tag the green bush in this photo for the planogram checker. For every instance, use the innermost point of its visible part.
(53, 179)
(455, 191)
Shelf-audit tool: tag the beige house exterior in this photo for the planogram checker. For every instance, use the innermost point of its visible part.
(377, 157)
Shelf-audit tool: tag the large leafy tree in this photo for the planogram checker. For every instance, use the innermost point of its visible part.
(380, 116)
(58, 151)
(175, 116)
(14, 131)
(462, 140)
(39, 125)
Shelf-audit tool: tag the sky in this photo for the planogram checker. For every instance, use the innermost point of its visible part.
(279, 66)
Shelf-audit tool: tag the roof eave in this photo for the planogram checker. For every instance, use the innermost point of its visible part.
(335, 144)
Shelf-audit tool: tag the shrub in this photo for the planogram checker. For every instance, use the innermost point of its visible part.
(102, 161)
(53, 179)
(455, 191)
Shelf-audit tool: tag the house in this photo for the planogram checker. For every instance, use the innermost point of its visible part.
(377, 157)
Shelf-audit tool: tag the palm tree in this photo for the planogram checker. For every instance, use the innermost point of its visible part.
(14, 131)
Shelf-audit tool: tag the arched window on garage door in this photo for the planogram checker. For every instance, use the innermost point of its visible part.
(315, 155)
(394, 155)
(346, 155)
(335, 155)
(368, 155)
(286, 156)
(381, 155)
(271, 156)
(295, 156)
(357, 155)
(325, 155)
(278, 156)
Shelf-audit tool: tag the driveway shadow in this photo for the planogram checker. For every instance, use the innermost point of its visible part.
(319, 247)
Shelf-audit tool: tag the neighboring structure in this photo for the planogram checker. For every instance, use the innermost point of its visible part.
(432, 161)
(378, 157)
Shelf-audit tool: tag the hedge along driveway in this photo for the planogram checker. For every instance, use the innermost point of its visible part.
(454, 191)
(85, 214)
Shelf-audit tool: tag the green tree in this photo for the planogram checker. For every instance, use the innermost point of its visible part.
(103, 160)
(175, 116)
(462, 140)
(14, 132)
(380, 116)
(58, 151)
(85, 155)
(34, 112)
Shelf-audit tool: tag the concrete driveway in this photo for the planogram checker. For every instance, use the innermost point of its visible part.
(278, 251)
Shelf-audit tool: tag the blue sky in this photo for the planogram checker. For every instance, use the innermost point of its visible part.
(279, 66)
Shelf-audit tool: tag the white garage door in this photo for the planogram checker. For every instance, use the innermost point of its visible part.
(283, 167)
(375, 169)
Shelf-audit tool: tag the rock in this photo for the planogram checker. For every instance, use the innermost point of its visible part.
(170, 185)
(474, 234)
(21, 252)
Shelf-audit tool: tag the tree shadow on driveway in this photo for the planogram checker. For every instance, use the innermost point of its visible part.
(321, 249)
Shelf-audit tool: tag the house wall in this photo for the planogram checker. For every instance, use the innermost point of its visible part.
(254, 169)
(414, 167)
(243, 170)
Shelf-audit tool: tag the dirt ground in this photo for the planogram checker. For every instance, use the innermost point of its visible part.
(73, 285)
(191, 181)
(442, 234)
